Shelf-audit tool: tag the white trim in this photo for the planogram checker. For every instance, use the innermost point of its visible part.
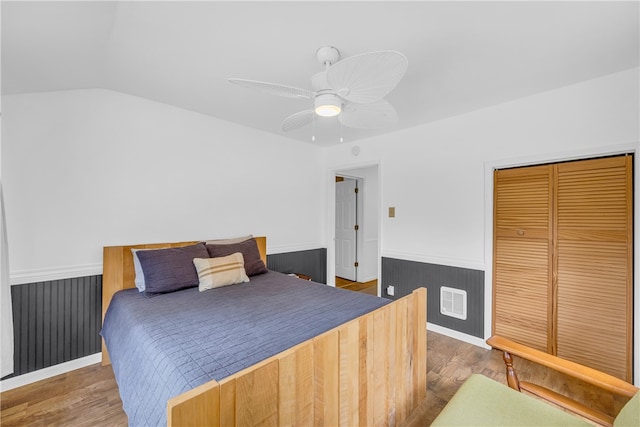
(332, 172)
(490, 166)
(36, 275)
(564, 156)
(21, 277)
(54, 273)
(281, 249)
(457, 335)
(452, 262)
(367, 279)
(49, 372)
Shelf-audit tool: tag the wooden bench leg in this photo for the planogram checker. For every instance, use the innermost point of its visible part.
(512, 377)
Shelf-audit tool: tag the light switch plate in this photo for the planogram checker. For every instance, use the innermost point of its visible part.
(392, 212)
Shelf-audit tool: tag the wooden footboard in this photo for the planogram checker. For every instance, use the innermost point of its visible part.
(369, 371)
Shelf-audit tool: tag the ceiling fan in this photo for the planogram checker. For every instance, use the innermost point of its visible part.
(352, 89)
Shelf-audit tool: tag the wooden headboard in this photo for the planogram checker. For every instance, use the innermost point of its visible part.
(118, 272)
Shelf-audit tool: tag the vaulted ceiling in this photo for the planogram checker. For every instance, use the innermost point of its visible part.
(462, 56)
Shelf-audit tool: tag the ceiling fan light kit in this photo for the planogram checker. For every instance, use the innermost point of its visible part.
(327, 105)
(352, 89)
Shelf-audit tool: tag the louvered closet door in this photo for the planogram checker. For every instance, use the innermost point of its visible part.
(594, 264)
(522, 255)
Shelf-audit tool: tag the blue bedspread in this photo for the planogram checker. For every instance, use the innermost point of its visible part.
(163, 346)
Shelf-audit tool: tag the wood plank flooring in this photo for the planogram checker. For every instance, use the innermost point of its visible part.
(89, 396)
(370, 287)
(84, 397)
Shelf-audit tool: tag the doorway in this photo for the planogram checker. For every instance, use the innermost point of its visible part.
(355, 259)
(346, 228)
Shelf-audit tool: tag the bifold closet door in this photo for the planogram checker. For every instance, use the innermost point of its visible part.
(594, 302)
(522, 255)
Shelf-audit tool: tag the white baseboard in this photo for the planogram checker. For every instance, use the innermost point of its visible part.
(458, 335)
(49, 372)
(367, 279)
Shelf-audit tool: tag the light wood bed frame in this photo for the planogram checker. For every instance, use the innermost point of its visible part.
(369, 371)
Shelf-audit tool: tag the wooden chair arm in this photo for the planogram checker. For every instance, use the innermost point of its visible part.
(589, 375)
(574, 406)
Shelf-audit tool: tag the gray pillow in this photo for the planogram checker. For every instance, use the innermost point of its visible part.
(228, 241)
(139, 274)
(170, 269)
(253, 264)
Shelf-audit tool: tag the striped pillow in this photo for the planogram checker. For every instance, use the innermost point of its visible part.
(222, 271)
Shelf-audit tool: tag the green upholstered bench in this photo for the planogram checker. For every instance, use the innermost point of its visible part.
(481, 401)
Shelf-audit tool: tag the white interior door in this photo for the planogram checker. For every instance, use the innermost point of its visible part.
(346, 211)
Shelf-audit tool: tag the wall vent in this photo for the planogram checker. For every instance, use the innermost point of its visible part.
(453, 302)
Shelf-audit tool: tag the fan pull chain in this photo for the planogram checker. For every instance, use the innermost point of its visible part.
(313, 127)
(341, 138)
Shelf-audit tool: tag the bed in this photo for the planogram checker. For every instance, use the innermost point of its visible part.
(368, 367)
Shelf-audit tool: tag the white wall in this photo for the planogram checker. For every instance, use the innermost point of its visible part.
(434, 174)
(89, 168)
(438, 176)
(83, 169)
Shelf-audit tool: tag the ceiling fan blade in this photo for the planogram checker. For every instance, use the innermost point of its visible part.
(376, 115)
(274, 88)
(297, 120)
(367, 77)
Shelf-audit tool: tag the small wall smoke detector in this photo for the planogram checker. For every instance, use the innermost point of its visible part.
(453, 302)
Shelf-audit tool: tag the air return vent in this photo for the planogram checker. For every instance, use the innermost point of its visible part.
(453, 302)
